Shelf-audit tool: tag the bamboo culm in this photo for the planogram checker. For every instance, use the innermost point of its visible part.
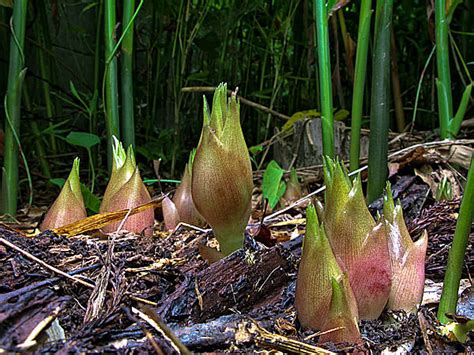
(16, 74)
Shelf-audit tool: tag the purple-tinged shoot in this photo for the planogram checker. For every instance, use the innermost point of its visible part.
(222, 173)
(123, 167)
(171, 216)
(357, 240)
(407, 258)
(69, 205)
(126, 190)
(317, 268)
(183, 199)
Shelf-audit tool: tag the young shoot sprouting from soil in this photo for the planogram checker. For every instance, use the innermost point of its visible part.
(69, 205)
(126, 190)
(383, 266)
(182, 207)
(222, 173)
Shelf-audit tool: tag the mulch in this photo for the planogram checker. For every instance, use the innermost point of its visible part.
(134, 294)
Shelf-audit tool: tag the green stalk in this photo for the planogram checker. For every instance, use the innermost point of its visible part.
(16, 74)
(128, 121)
(380, 104)
(397, 95)
(111, 86)
(98, 32)
(4, 19)
(40, 151)
(443, 82)
(449, 296)
(359, 81)
(45, 68)
(322, 52)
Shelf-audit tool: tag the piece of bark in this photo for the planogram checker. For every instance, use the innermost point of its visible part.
(240, 281)
(19, 318)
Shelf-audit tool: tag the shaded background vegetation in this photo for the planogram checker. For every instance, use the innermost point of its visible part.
(265, 48)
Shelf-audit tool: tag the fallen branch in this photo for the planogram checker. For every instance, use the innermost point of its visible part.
(241, 99)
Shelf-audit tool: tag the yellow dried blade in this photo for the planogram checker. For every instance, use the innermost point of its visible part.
(100, 220)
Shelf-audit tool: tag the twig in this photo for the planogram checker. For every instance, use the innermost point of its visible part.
(64, 274)
(155, 322)
(241, 99)
(45, 265)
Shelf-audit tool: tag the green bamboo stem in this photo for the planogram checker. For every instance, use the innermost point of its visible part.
(128, 121)
(13, 108)
(111, 86)
(359, 81)
(380, 103)
(347, 47)
(98, 32)
(322, 53)
(449, 296)
(443, 82)
(45, 69)
(40, 150)
(4, 18)
(397, 95)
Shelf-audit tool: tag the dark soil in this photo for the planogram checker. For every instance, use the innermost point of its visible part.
(146, 292)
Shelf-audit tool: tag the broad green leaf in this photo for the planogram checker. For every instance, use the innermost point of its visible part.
(58, 182)
(273, 187)
(83, 139)
(254, 150)
(299, 116)
(91, 201)
(341, 115)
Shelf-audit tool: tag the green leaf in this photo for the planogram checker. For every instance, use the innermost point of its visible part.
(74, 92)
(341, 115)
(455, 122)
(83, 139)
(254, 150)
(273, 187)
(299, 116)
(91, 201)
(58, 182)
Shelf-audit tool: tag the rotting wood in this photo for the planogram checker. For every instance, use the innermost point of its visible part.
(237, 282)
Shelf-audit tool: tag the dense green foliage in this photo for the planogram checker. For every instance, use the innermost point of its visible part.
(266, 48)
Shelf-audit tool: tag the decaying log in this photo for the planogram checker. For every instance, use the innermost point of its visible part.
(240, 281)
(18, 319)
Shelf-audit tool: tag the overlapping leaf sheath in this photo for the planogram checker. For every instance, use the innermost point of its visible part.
(341, 324)
(123, 167)
(222, 174)
(126, 190)
(170, 214)
(69, 205)
(407, 258)
(359, 242)
(183, 198)
(317, 268)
